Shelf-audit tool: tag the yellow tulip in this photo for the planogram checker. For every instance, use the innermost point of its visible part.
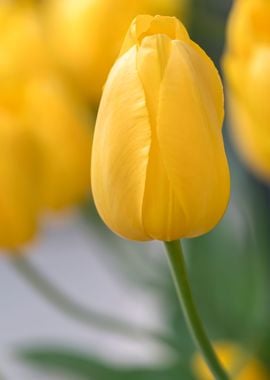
(63, 131)
(159, 170)
(247, 70)
(19, 182)
(237, 362)
(30, 90)
(86, 35)
(22, 48)
(21, 55)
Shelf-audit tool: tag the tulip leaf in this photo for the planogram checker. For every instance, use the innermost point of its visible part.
(82, 367)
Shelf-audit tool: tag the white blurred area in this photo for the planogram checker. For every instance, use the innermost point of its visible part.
(71, 255)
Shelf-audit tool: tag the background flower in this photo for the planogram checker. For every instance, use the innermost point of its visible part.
(246, 67)
(37, 103)
(238, 363)
(20, 182)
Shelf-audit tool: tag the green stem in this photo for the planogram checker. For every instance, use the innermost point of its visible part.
(180, 277)
(76, 311)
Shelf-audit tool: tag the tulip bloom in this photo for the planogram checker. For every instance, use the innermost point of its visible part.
(30, 90)
(22, 51)
(62, 129)
(247, 71)
(19, 182)
(159, 170)
(86, 35)
(238, 363)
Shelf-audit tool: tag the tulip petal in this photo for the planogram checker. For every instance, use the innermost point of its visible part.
(120, 150)
(174, 202)
(145, 25)
(190, 138)
(161, 211)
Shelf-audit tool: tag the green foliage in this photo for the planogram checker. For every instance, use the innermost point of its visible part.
(82, 367)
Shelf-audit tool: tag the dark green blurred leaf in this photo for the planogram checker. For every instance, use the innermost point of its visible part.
(61, 361)
(208, 24)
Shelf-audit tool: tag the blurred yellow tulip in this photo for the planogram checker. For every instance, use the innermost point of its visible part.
(86, 35)
(22, 48)
(29, 88)
(45, 138)
(159, 170)
(246, 65)
(19, 182)
(239, 364)
(63, 131)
